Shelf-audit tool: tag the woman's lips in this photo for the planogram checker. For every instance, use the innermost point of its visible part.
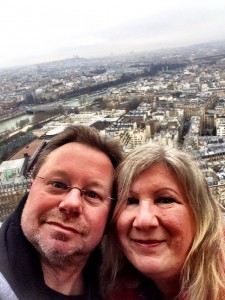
(147, 243)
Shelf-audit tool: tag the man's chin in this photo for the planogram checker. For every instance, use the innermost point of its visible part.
(59, 252)
(63, 257)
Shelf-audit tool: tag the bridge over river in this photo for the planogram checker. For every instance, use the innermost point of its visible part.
(40, 108)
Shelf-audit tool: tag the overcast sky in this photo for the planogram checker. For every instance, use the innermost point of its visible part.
(33, 31)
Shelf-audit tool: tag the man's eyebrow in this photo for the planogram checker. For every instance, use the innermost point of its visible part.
(57, 173)
(97, 184)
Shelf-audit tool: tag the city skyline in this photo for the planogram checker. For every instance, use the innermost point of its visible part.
(36, 32)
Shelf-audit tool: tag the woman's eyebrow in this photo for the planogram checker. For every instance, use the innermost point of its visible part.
(133, 192)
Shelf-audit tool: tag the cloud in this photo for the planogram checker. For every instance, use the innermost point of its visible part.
(44, 28)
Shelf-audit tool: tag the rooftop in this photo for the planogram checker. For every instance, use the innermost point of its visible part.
(12, 164)
(29, 149)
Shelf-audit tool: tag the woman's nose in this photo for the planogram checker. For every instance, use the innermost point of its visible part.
(146, 216)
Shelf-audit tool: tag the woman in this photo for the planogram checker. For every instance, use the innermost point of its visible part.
(169, 228)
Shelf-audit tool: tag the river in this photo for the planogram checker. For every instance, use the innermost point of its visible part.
(73, 102)
(11, 124)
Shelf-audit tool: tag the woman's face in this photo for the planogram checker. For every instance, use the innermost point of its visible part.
(156, 226)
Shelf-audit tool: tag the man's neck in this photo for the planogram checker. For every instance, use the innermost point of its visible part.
(67, 281)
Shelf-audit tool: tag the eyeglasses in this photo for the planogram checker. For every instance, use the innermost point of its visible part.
(57, 187)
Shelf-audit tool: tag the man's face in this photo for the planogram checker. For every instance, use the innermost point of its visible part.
(62, 224)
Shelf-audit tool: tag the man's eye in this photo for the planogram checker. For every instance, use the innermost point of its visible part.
(58, 185)
(92, 194)
(132, 201)
(165, 200)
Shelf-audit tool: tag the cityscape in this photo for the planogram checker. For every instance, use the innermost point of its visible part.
(172, 96)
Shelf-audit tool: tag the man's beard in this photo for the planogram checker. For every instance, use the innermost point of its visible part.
(53, 253)
(56, 256)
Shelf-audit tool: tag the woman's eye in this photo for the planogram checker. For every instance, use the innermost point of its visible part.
(132, 201)
(165, 200)
(58, 185)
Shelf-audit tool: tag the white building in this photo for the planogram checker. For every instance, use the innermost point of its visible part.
(220, 126)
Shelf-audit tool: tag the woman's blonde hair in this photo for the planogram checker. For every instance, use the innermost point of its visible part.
(203, 275)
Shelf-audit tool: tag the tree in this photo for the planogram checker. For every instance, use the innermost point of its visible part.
(133, 104)
(29, 98)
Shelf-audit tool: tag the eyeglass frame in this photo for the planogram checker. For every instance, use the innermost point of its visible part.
(68, 188)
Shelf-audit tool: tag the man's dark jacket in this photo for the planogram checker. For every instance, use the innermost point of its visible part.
(21, 275)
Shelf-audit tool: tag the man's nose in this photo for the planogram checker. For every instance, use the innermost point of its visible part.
(72, 202)
(146, 216)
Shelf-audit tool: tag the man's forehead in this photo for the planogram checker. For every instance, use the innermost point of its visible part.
(73, 156)
(74, 148)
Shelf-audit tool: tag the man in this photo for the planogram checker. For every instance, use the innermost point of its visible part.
(49, 245)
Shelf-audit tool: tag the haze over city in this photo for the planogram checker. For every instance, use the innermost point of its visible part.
(40, 31)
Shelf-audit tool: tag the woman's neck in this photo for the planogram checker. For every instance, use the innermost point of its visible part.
(169, 288)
